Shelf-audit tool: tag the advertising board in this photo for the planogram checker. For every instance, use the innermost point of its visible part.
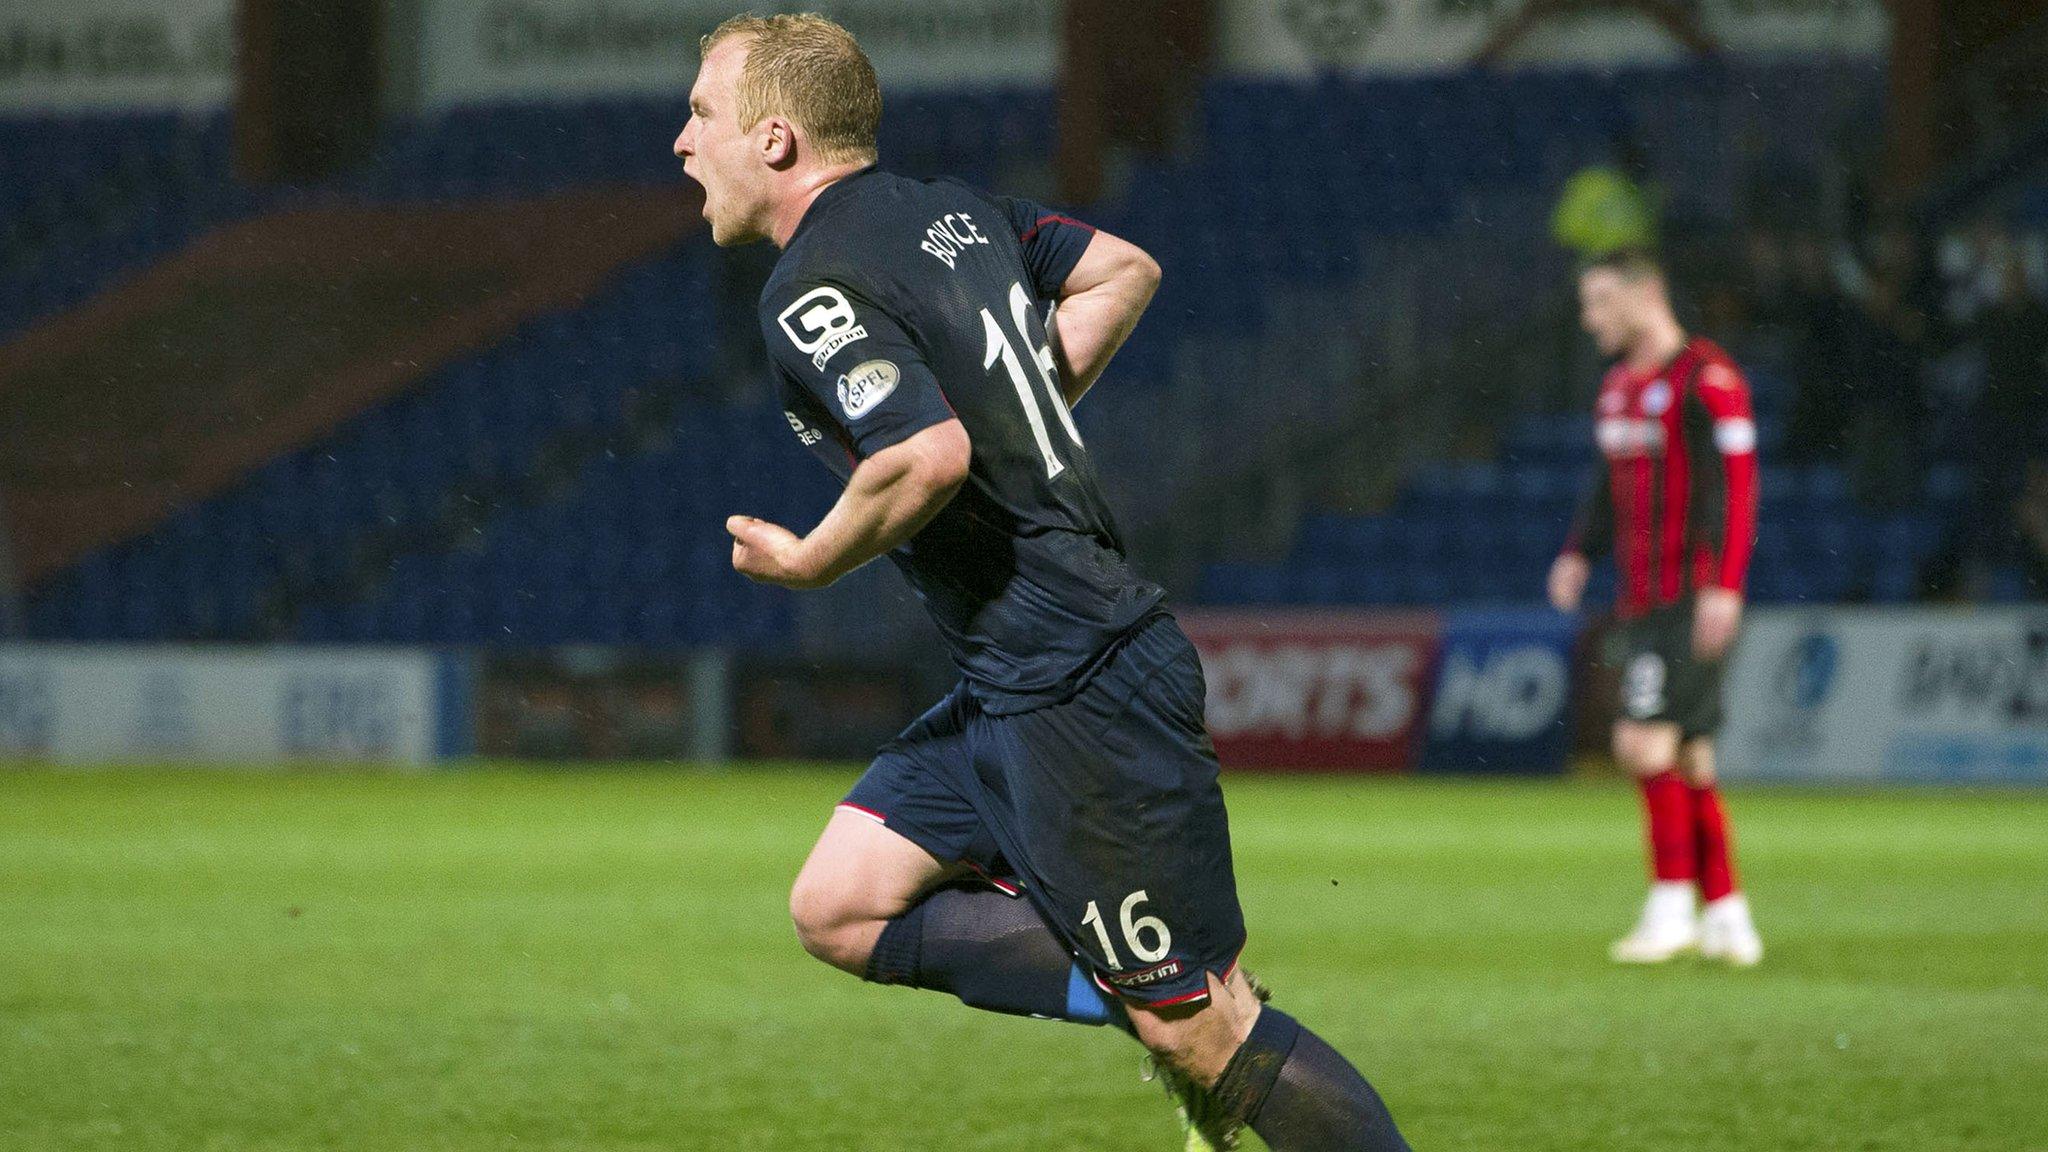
(107, 704)
(1928, 696)
(1299, 38)
(1503, 693)
(1316, 690)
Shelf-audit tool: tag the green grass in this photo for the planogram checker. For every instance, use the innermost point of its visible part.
(502, 960)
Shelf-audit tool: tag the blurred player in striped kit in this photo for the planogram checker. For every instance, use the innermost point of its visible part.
(1676, 502)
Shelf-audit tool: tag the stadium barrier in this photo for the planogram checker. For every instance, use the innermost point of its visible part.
(1825, 695)
(831, 710)
(589, 703)
(1888, 696)
(113, 704)
(596, 703)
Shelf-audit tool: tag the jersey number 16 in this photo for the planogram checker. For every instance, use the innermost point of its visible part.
(1000, 348)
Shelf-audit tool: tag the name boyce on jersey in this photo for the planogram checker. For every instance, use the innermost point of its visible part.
(949, 235)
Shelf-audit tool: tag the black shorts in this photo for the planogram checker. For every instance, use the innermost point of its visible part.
(1662, 680)
(1104, 810)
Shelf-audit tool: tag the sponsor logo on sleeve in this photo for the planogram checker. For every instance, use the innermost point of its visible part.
(820, 323)
(867, 385)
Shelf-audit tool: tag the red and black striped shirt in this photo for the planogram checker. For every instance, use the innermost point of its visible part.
(1678, 499)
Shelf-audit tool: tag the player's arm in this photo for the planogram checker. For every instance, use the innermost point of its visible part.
(1100, 283)
(869, 378)
(1720, 445)
(890, 497)
(1099, 307)
(1592, 532)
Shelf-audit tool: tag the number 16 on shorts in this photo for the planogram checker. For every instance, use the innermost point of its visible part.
(1147, 938)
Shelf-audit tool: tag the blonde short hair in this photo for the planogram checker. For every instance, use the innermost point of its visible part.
(811, 71)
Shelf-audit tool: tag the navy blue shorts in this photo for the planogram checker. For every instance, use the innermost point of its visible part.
(1104, 810)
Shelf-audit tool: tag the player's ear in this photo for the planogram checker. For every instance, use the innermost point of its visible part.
(778, 142)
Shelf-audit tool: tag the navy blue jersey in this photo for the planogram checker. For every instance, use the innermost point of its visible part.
(900, 304)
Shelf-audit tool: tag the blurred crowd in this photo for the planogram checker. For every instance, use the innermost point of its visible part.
(1915, 362)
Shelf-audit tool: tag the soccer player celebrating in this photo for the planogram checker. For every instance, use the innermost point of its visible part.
(1069, 769)
(1677, 503)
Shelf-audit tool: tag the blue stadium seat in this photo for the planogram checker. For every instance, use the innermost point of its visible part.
(2007, 584)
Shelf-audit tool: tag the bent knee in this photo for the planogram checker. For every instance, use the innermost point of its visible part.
(830, 927)
(1200, 1056)
(1200, 1045)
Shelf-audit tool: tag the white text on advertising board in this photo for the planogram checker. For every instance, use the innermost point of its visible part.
(116, 54)
(338, 715)
(1515, 695)
(2002, 679)
(1355, 690)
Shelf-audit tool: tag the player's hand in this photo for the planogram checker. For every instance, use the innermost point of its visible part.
(769, 553)
(1717, 613)
(1568, 575)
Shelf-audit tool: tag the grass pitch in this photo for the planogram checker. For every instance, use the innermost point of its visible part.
(505, 960)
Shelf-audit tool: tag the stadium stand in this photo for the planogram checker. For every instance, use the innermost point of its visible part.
(1486, 533)
(87, 198)
(569, 483)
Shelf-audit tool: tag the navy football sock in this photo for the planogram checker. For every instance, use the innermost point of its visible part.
(1299, 1095)
(993, 952)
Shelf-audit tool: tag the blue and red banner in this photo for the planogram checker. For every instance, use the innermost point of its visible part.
(1332, 690)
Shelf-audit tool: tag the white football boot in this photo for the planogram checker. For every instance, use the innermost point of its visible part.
(1667, 928)
(1727, 934)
